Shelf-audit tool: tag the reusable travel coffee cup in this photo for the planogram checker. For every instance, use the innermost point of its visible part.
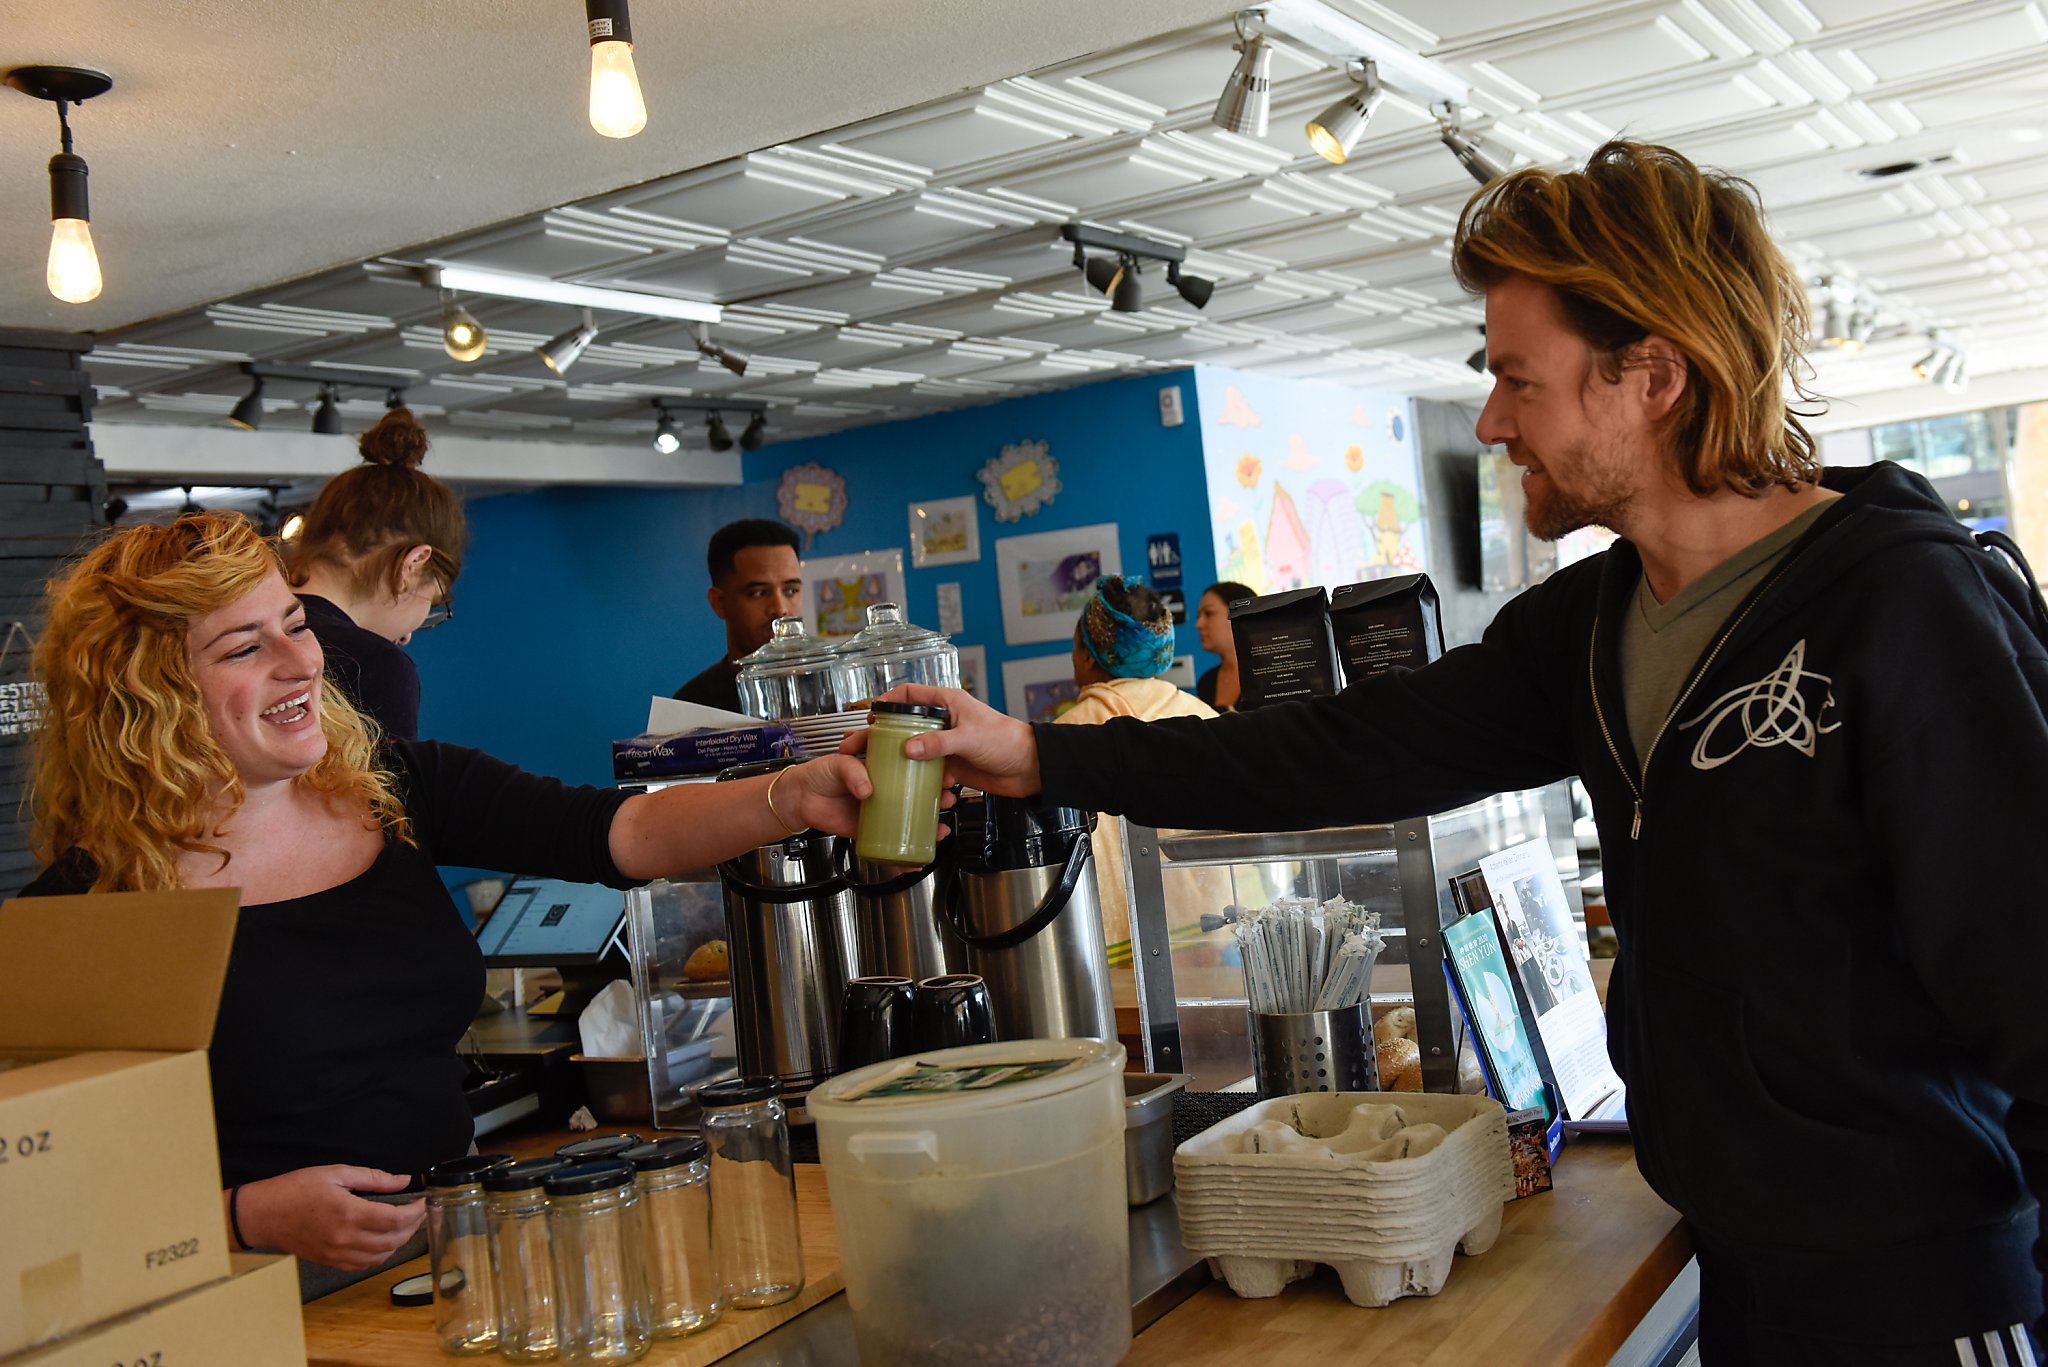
(899, 822)
(952, 1010)
(874, 1021)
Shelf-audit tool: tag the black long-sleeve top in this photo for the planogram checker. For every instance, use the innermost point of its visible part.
(340, 1018)
(375, 674)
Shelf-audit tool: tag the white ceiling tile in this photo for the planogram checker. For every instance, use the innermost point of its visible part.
(741, 199)
(1107, 181)
(958, 137)
(1731, 95)
(1999, 31)
(1577, 62)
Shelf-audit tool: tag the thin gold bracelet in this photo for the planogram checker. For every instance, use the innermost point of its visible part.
(793, 830)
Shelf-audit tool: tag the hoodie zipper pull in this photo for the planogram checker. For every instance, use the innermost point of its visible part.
(1635, 829)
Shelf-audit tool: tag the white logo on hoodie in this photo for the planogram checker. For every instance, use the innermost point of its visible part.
(1771, 711)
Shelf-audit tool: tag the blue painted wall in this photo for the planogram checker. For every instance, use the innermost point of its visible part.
(577, 604)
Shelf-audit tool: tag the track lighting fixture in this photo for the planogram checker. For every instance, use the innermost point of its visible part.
(616, 108)
(114, 509)
(731, 359)
(1835, 328)
(293, 525)
(755, 433)
(1248, 93)
(559, 353)
(716, 434)
(665, 439)
(191, 504)
(73, 273)
(1477, 360)
(327, 416)
(1116, 272)
(1335, 131)
(248, 414)
(1938, 360)
(394, 398)
(1481, 165)
(462, 336)
(541, 290)
(1192, 288)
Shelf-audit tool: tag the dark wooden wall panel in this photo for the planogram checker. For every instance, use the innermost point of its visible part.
(52, 490)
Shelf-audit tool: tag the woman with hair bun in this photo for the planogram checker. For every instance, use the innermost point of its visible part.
(375, 562)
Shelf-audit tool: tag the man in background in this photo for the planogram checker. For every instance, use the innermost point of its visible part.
(755, 579)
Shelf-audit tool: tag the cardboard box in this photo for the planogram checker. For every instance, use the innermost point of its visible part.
(250, 1320)
(110, 1183)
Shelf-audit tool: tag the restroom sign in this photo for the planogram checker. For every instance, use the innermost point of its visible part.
(1162, 559)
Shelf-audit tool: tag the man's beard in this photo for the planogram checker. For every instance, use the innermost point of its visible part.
(1602, 499)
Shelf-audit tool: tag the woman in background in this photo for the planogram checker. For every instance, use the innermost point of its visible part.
(191, 742)
(375, 562)
(1218, 685)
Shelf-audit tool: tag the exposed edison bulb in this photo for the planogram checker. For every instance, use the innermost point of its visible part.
(616, 109)
(74, 266)
(293, 525)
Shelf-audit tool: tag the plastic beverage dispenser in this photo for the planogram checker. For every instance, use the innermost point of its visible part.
(899, 931)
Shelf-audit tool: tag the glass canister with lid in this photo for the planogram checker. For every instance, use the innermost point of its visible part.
(523, 1257)
(794, 675)
(600, 1286)
(754, 1231)
(674, 1180)
(890, 651)
(458, 1239)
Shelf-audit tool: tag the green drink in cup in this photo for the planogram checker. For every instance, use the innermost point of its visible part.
(899, 822)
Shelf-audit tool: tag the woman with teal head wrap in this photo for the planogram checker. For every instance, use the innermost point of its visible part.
(1122, 645)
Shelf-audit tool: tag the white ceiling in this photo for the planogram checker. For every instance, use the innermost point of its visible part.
(910, 262)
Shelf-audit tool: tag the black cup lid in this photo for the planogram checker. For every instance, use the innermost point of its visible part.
(610, 1146)
(461, 1172)
(526, 1175)
(580, 1179)
(910, 709)
(739, 1091)
(665, 1153)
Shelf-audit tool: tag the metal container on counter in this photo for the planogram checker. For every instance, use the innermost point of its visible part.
(1024, 901)
(792, 946)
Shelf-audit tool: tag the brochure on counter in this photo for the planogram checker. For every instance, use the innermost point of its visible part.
(1552, 974)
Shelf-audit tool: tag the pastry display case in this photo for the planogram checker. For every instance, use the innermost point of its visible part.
(1185, 983)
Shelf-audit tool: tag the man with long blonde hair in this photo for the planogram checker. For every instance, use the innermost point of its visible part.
(1812, 714)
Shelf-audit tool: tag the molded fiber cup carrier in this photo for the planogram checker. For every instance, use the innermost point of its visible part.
(992, 1225)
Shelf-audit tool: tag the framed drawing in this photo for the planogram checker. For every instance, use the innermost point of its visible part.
(944, 531)
(839, 590)
(1045, 579)
(1040, 688)
(974, 671)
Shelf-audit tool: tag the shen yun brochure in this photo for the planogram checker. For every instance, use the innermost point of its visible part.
(1549, 960)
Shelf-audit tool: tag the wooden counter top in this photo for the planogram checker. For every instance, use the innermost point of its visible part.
(1575, 1269)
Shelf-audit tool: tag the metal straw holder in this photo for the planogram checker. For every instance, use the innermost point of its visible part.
(1314, 1051)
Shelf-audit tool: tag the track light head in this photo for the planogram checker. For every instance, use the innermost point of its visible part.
(731, 359)
(1477, 360)
(394, 397)
(1335, 131)
(1836, 329)
(1192, 288)
(462, 336)
(559, 353)
(1127, 298)
(716, 434)
(665, 439)
(1103, 274)
(327, 416)
(1249, 91)
(1937, 358)
(248, 414)
(755, 433)
(1481, 165)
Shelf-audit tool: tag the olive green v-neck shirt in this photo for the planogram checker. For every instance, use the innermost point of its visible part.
(1661, 642)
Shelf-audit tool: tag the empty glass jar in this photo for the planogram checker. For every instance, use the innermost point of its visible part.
(753, 1192)
(674, 1180)
(600, 1294)
(521, 1253)
(459, 1243)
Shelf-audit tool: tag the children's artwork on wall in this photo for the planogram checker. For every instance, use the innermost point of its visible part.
(944, 531)
(1045, 579)
(1309, 483)
(811, 499)
(1039, 688)
(974, 671)
(1020, 481)
(839, 590)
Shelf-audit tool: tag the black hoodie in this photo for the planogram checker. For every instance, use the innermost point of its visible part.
(1827, 1004)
